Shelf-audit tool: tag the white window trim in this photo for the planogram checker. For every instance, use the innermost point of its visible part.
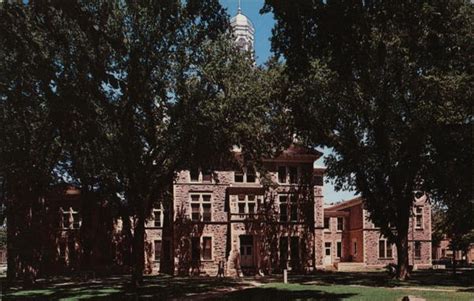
(419, 214)
(287, 179)
(200, 177)
(288, 211)
(343, 224)
(244, 177)
(211, 236)
(342, 255)
(201, 208)
(328, 229)
(162, 216)
(246, 203)
(386, 244)
(65, 213)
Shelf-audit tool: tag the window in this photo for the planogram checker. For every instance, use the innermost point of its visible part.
(206, 175)
(207, 248)
(418, 217)
(389, 250)
(340, 224)
(282, 174)
(339, 249)
(355, 247)
(327, 247)
(293, 208)
(326, 223)
(239, 176)
(194, 175)
(247, 175)
(157, 217)
(417, 249)
(382, 248)
(157, 246)
(70, 219)
(293, 175)
(283, 208)
(198, 175)
(247, 204)
(201, 207)
(385, 249)
(251, 177)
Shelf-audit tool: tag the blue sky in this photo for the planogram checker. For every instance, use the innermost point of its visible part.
(263, 31)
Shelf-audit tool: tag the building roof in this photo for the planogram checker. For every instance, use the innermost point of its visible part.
(346, 204)
(241, 20)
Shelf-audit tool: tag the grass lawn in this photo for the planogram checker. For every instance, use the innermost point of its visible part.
(431, 285)
(307, 292)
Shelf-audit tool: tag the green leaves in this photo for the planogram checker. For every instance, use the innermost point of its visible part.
(380, 82)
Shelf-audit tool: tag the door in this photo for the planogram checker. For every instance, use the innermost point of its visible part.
(327, 253)
(246, 250)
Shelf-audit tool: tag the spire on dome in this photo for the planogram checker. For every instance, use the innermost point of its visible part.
(243, 30)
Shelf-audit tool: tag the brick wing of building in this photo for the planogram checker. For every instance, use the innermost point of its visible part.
(353, 242)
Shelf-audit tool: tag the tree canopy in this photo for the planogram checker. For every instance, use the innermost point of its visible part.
(381, 82)
(115, 98)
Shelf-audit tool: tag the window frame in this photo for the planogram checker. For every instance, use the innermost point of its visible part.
(244, 172)
(211, 238)
(417, 250)
(339, 249)
(161, 211)
(291, 204)
(342, 219)
(328, 228)
(201, 204)
(386, 246)
(201, 175)
(76, 219)
(288, 172)
(419, 215)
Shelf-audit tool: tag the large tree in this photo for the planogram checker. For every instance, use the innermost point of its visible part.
(378, 81)
(127, 94)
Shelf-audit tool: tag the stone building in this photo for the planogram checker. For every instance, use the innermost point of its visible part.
(248, 221)
(240, 221)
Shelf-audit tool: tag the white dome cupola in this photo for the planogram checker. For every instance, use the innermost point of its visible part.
(243, 31)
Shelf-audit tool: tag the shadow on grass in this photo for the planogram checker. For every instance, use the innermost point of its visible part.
(117, 288)
(273, 294)
(423, 278)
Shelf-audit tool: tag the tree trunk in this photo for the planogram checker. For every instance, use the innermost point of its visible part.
(86, 237)
(12, 254)
(402, 258)
(138, 250)
(454, 261)
(23, 240)
(402, 239)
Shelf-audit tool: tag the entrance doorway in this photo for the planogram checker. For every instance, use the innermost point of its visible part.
(327, 254)
(246, 251)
